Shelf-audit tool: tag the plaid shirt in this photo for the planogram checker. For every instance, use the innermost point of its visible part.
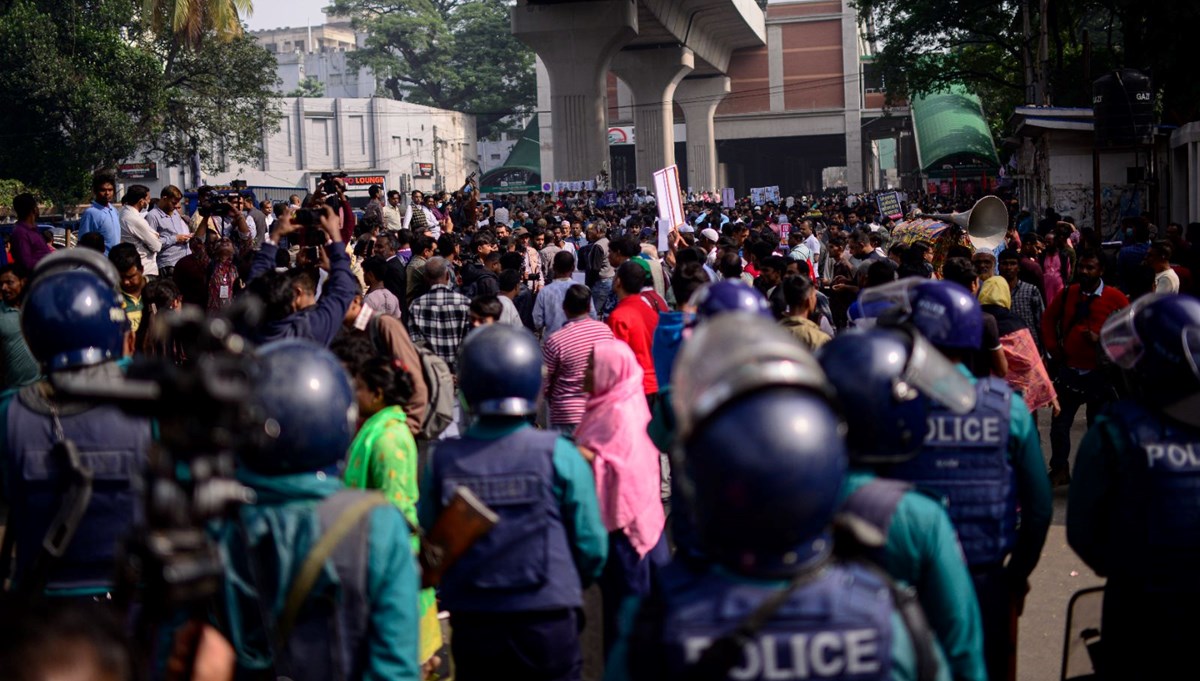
(440, 317)
(1028, 306)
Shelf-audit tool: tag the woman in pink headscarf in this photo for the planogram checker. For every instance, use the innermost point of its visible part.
(613, 436)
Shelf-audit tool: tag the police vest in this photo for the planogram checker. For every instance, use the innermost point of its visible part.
(1157, 511)
(114, 446)
(839, 626)
(965, 462)
(525, 562)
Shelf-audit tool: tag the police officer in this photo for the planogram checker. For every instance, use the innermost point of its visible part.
(514, 597)
(1134, 509)
(70, 466)
(321, 581)
(887, 380)
(986, 464)
(762, 454)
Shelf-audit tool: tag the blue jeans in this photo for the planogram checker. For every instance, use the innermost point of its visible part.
(601, 291)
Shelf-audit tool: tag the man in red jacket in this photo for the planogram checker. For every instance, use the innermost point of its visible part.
(634, 319)
(1071, 332)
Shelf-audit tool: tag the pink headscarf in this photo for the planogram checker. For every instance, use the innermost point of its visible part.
(627, 463)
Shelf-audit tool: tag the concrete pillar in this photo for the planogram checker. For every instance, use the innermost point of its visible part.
(852, 91)
(699, 97)
(652, 75)
(576, 41)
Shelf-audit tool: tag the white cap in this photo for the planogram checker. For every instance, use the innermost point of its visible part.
(710, 234)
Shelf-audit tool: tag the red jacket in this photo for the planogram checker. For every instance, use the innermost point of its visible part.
(633, 320)
(1063, 333)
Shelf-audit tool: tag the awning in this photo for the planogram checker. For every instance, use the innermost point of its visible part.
(950, 130)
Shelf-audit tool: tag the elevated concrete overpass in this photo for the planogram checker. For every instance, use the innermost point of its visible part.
(665, 50)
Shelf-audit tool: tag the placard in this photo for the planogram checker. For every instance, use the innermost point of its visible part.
(670, 204)
(889, 205)
(728, 200)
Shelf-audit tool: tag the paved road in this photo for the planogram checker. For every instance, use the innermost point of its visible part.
(1059, 574)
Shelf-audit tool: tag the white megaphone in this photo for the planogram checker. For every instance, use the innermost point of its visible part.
(986, 222)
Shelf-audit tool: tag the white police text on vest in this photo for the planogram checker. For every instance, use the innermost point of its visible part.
(950, 430)
(801, 656)
(1173, 456)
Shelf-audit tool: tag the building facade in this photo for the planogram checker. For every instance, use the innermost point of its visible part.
(320, 52)
(396, 144)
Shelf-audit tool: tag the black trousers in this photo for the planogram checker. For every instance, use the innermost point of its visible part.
(996, 609)
(529, 646)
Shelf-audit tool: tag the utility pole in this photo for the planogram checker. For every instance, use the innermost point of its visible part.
(1044, 54)
(1027, 53)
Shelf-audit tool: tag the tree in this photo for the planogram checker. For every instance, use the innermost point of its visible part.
(187, 21)
(219, 99)
(308, 87)
(925, 45)
(78, 95)
(446, 53)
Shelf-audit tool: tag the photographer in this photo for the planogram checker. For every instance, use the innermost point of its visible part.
(289, 314)
(223, 215)
(334, 187)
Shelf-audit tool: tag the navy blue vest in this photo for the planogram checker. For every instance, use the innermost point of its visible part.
(1157, 510)
(965, 462)
(525, 562)
(114, 446)
(838, 626)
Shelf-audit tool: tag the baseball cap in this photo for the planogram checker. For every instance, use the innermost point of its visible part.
(710, 234)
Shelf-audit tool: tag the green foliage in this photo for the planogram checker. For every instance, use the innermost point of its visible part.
(219, 100)
(447, 53)
(925, 45)
(309, 87)
(187, 21)
(78, 94)
(89, 86)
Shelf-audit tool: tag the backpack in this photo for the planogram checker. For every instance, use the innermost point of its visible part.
(439, 384)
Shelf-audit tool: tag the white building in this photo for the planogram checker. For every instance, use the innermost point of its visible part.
(396, 144)
(319, 52)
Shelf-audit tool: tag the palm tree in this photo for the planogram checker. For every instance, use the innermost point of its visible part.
(187, 20)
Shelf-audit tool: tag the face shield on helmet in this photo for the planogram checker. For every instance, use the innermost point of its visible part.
(1119, 337)
(937, 378)
(734, 354)
(723, 297)
(890, 301)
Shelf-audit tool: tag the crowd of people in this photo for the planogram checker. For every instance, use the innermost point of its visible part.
(795, 443)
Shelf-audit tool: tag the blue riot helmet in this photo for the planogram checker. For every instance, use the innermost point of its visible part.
(1156, 341)
(761, 450)
(886, 380)
(765, 472)
(72, 316)
(500, 371)
(945, 313)
(310, 409)
(727, 296)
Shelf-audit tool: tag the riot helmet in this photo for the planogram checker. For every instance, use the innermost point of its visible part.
(945, 313)
(761, 452)
(1156, 342)
(726, 296)
(309, 405)
(887, 380)
(72, 316)
(500, 371)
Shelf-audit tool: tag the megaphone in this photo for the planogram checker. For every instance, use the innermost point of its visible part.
(986, 222)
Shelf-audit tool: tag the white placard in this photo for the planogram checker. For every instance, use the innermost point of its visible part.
(670, 204)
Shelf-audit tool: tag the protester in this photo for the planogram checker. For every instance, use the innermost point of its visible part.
(28, 246)
(17, 365)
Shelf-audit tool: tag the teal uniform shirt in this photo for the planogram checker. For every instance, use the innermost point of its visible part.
(287, 510)
(574, 488)
(922, 551)
(903, 658)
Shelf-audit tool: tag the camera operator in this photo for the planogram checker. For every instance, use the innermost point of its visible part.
(224, 216)
(290, 310)
(335, 186)
(52, 448)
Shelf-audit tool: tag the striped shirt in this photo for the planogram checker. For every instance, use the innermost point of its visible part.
(566, 354)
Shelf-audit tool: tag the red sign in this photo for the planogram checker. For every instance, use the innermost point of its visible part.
(364, 180)
(424, 170)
